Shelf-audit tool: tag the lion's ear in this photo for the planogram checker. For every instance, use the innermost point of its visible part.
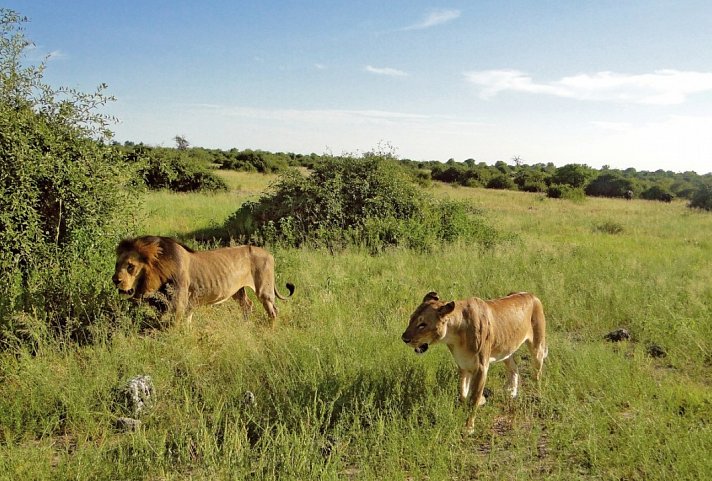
(431, 296)
(446, 309)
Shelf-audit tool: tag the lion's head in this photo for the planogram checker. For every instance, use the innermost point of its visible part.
(428, 324)
(144, 264)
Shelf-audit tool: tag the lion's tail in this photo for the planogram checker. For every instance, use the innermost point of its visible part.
(290, 288)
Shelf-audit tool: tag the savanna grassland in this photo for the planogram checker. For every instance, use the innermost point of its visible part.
(339, 396)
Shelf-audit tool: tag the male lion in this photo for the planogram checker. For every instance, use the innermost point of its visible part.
(479, 332)
(171, 275)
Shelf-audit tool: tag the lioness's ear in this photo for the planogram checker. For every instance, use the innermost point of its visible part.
(431, 296)
(447, 308)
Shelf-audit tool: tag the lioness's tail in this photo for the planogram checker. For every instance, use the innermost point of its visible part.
(290, 288)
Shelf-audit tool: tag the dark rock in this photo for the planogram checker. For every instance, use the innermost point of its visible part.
(656, 351)
(127, 424)
(618, 335)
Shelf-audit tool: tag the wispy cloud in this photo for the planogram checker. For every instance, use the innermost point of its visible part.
(434, 18)
(56, 55)
(662, 87)
(390, 72)
(314, 115)
(320, 66)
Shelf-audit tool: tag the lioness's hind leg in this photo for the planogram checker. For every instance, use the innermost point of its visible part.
(512, 376)
(538, 354)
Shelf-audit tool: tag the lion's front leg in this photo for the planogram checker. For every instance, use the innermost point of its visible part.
(478, 399)
(181, 308)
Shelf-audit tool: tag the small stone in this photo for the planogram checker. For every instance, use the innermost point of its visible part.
(138, 394)
(656, 351)
(127, 424)
(618, 335)
(249, 398)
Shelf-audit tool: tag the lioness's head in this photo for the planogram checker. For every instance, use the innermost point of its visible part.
(428, 324)
(143, 265)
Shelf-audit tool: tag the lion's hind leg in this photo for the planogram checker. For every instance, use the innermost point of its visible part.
(245, 303)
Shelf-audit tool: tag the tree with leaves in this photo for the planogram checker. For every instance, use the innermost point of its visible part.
(60, 183)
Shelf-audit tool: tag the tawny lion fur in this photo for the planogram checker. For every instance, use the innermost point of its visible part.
(479, 332)
(153, 267)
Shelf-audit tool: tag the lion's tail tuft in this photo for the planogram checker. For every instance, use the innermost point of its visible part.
(290, 288)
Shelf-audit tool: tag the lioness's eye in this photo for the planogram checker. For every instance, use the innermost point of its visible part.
(422, 325)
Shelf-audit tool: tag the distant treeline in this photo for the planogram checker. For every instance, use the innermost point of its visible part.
(570, 180)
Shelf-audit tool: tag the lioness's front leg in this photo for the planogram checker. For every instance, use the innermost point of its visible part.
(465, 380)
(478, 399)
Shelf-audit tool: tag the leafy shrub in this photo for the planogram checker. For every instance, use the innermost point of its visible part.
(609, 227)
(702, 198)
(254, 160)
(501, 181)
(610, 185)
(558, 191)
(657, 192)
(574, 175)
(62, 191)
(175, 171)
(364, 201)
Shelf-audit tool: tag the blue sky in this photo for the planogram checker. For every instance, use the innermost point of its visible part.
(626, 83)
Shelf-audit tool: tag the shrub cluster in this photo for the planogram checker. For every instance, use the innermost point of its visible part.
(565, 191)
(176, 171)
(702, 198)
(366, 201)
(62, 190)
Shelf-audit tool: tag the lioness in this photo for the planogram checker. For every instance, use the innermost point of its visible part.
(171, 275)
(479, 332)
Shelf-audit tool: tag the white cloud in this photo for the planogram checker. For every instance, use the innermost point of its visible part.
(390, 72)
(662, 87)
(320, 66)
(56, 55)
(434, 18)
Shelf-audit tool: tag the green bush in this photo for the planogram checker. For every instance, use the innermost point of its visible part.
(501, 181)
(255, 160)
(610, 185)
(702, 198)
(366, 201)
(564, 191)
(176, 171)
(657, 192)
(61, 193)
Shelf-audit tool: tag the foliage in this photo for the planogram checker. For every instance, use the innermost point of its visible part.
(177, 172)
(61, 191)
(575, 175)
(610, 185)
(501, 181)
(565, 191)
(254, 160)
(347, 200)
(702, 198)
(657, 192)
(609, 227)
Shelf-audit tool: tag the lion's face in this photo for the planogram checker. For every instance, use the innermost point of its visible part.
(129, 270)
(428, 324)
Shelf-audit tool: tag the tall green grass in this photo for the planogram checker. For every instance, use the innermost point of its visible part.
(339, 396)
